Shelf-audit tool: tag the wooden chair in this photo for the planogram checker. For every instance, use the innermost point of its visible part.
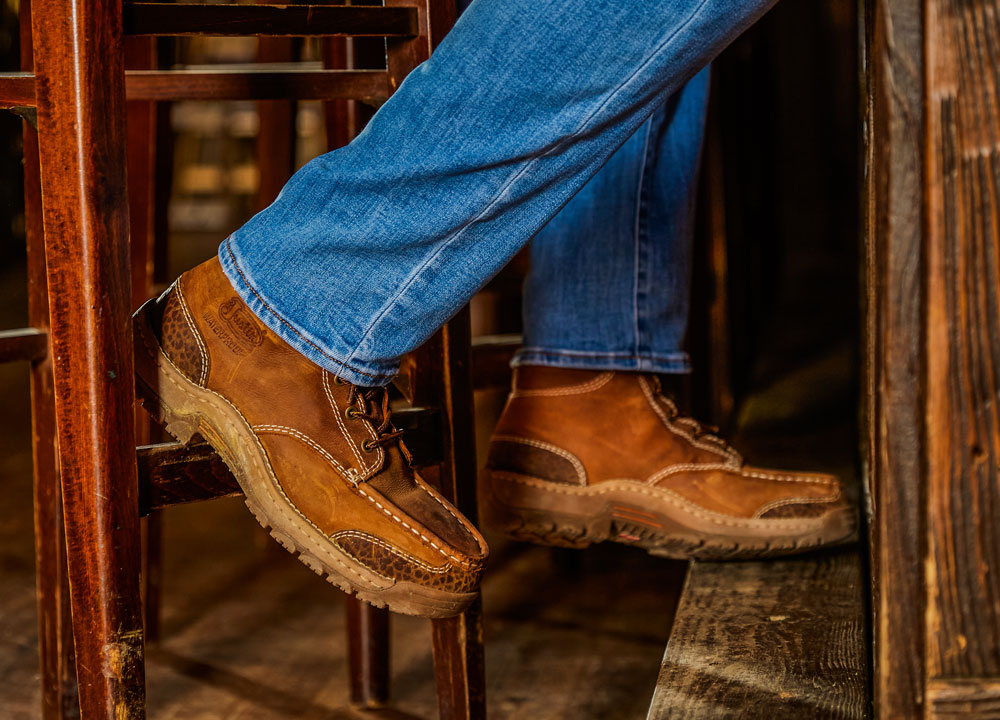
(80, 302)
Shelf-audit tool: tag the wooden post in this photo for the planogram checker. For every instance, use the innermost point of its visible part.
(933, 336)
(55, 633)
(81, 112)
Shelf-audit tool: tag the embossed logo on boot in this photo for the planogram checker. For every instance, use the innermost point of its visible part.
(235, 326)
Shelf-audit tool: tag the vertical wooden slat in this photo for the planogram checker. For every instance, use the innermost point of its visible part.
(276, 129)
(368, 653)
(80, 91)
(963, 353)
(55, 629)
(141, 121)
(894, 375)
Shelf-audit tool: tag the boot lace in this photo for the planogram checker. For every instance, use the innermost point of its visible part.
(371, 404)
(698, 430)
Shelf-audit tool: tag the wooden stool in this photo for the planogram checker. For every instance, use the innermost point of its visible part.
(79, 89)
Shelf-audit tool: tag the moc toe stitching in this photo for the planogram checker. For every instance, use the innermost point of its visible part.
(316, 447)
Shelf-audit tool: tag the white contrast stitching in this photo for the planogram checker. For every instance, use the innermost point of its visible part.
(775, 504)
(593, 384)
(470, 563)
(662, 494)
(203, 375)
(721, 449)
(395, 551)
(326, 551)
(340, 421)
(315, 446)
(581, 472)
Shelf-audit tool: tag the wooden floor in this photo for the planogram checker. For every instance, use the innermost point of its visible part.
(250, 633)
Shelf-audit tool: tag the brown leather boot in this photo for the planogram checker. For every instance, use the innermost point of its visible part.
(579, 457)
(318, 458)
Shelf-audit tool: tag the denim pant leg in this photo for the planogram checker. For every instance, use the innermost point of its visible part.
(370, 248)
(609, 285)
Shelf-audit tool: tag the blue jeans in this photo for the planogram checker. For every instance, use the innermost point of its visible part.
(370, 248)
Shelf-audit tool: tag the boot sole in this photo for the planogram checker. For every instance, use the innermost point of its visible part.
(186, 409)
(547, 513)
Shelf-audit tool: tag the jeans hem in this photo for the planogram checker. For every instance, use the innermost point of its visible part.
(670, 363)
(298, 338)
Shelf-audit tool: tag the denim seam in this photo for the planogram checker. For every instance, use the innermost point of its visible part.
(267, 306)
(558, 146)
(584, 353)
(636, 231)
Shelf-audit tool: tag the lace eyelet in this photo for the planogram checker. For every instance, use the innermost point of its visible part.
(337, 380)
(350, 412)
(367, 447)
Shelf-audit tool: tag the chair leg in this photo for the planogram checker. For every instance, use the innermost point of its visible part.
(80, 96)
(55, 638)
(276, 130)
(367, 653)
(458, 665)
(458, 642)
(55, 634)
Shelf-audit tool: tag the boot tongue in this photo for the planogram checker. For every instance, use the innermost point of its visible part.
(397, 483)
(395, 479)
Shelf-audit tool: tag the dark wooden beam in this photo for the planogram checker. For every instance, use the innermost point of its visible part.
(23, 344)
(894, 304)
(173, 19)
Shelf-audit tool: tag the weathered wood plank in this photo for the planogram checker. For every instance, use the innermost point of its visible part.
(782, 639)
(894, 305)
(964, 699)
(963, 344)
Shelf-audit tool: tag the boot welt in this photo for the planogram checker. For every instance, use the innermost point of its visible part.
(185, 409)
(661, 522)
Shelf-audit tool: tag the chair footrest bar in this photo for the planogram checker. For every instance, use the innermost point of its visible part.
(176, 19)
(23, 344)
(17, 89)
(371, 85)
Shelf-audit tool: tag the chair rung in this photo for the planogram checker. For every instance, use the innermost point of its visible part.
(23, 344)
(173, 474)
(17, 89)
(256, 84)
(287, 20)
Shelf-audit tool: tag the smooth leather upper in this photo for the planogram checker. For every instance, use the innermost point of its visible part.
(618, 426)
(299, 412)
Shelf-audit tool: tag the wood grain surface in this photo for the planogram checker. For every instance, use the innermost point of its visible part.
(894, 273)
(963, 341)
(81, 116)
(262, 19)
(782, 639)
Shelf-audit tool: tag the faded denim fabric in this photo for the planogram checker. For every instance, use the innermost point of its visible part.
(609, 285)
(370, 248)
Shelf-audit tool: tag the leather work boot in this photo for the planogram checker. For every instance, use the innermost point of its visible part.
(579, 457)
(318, 458)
